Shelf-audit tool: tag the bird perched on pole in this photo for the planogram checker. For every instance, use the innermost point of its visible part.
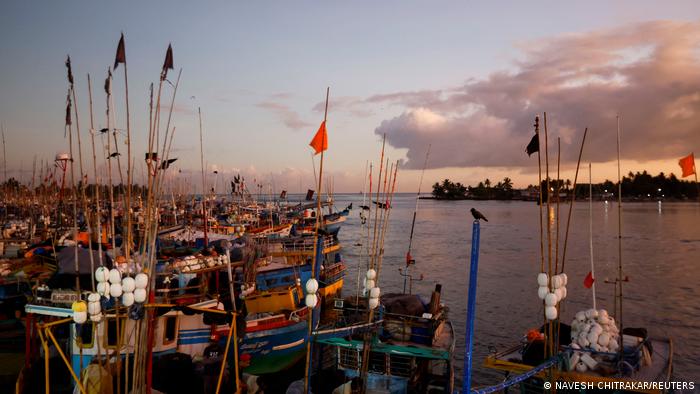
(478, 215)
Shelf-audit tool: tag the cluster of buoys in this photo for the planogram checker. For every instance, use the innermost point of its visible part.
(551, 296)
(592, 330)
(370, 288)
(311, 289)
(194, 263)
(111, 284)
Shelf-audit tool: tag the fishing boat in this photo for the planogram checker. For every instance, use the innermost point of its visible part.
(592, 349)
(412, 351)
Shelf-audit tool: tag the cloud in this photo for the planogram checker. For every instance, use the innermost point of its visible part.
(289, 117)
(355, 106)
(649, 73)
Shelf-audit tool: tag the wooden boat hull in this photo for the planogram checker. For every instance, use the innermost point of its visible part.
(660, 371)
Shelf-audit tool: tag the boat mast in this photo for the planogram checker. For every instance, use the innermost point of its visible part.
(409, 259)
(590, 229)
(619, 234)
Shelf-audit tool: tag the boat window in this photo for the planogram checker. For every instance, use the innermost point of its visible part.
(170, 330)
(84, 335)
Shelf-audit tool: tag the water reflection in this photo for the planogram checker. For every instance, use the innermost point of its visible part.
(664, 253)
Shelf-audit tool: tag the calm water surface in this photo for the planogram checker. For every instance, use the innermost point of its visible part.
(660, 251)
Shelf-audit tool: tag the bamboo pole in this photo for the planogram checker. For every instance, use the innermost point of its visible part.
(319, 219)
(65, 360)
(223, 361)
(573, 199)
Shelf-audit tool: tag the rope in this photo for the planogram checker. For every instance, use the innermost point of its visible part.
(516, 379)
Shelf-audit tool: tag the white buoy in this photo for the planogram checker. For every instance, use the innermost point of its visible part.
(564, 292)
(128, 285)
(581, 317)
(373, 303)
(559, 292)
(115, 290)
(564, 278)
(556, 281)
(96, 318)
(550, 299)
(115, 276)
(140, 295)
(94, 308)
(80, 317)
(311, 300)
(604, 339)
(311, 286)
(542, 292)
(141, 281)
(374, 292)
(128, 299)
(369, 283)
(542, 279)
(101, 274)
(550, 312)
(103, 289)
(581, 367)
(371, 274)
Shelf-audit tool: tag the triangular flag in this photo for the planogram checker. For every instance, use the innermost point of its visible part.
(320, 141)
(687, 165)
(409, 259)
(168, 63)
(588, 281)
(121, 53)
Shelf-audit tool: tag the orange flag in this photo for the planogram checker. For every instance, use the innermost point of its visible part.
(320, 141)
(687, 165)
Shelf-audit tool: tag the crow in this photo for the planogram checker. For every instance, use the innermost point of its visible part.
(478, 215)
(115, 154)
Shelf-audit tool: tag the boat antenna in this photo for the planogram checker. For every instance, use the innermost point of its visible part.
(409, 258)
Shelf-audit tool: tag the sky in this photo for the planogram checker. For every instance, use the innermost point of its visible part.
(465, 78)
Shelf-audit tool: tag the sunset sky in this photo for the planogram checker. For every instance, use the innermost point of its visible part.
(466, 78)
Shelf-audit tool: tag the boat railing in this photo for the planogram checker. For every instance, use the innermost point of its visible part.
(305, 244)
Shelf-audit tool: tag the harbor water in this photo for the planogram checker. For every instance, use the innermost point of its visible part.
(660, 255)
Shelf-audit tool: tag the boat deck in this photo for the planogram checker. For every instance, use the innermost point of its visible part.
(511, 360)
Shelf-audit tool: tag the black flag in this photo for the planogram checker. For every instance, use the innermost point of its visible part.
(168, 63)
(164, 165)
(121, 53)
(309, 195)
(70, 72)
(534, 145)
(283, 195)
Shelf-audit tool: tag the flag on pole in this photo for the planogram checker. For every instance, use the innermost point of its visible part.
(588, 281)
(320, 141)
(168, 63)
(108, 82)
(534, 145)
(70, 72)
(121, 53)
(687, 165)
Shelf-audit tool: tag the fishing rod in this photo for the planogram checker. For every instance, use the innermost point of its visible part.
(409, 259)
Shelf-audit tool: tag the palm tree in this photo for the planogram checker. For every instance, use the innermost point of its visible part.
(507, 184)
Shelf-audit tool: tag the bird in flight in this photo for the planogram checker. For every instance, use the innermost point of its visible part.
(478, 215)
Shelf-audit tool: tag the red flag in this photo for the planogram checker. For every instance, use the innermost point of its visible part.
(320, 141)
(588, 282)
(687, 165)
(121, 53)
(409, 258)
